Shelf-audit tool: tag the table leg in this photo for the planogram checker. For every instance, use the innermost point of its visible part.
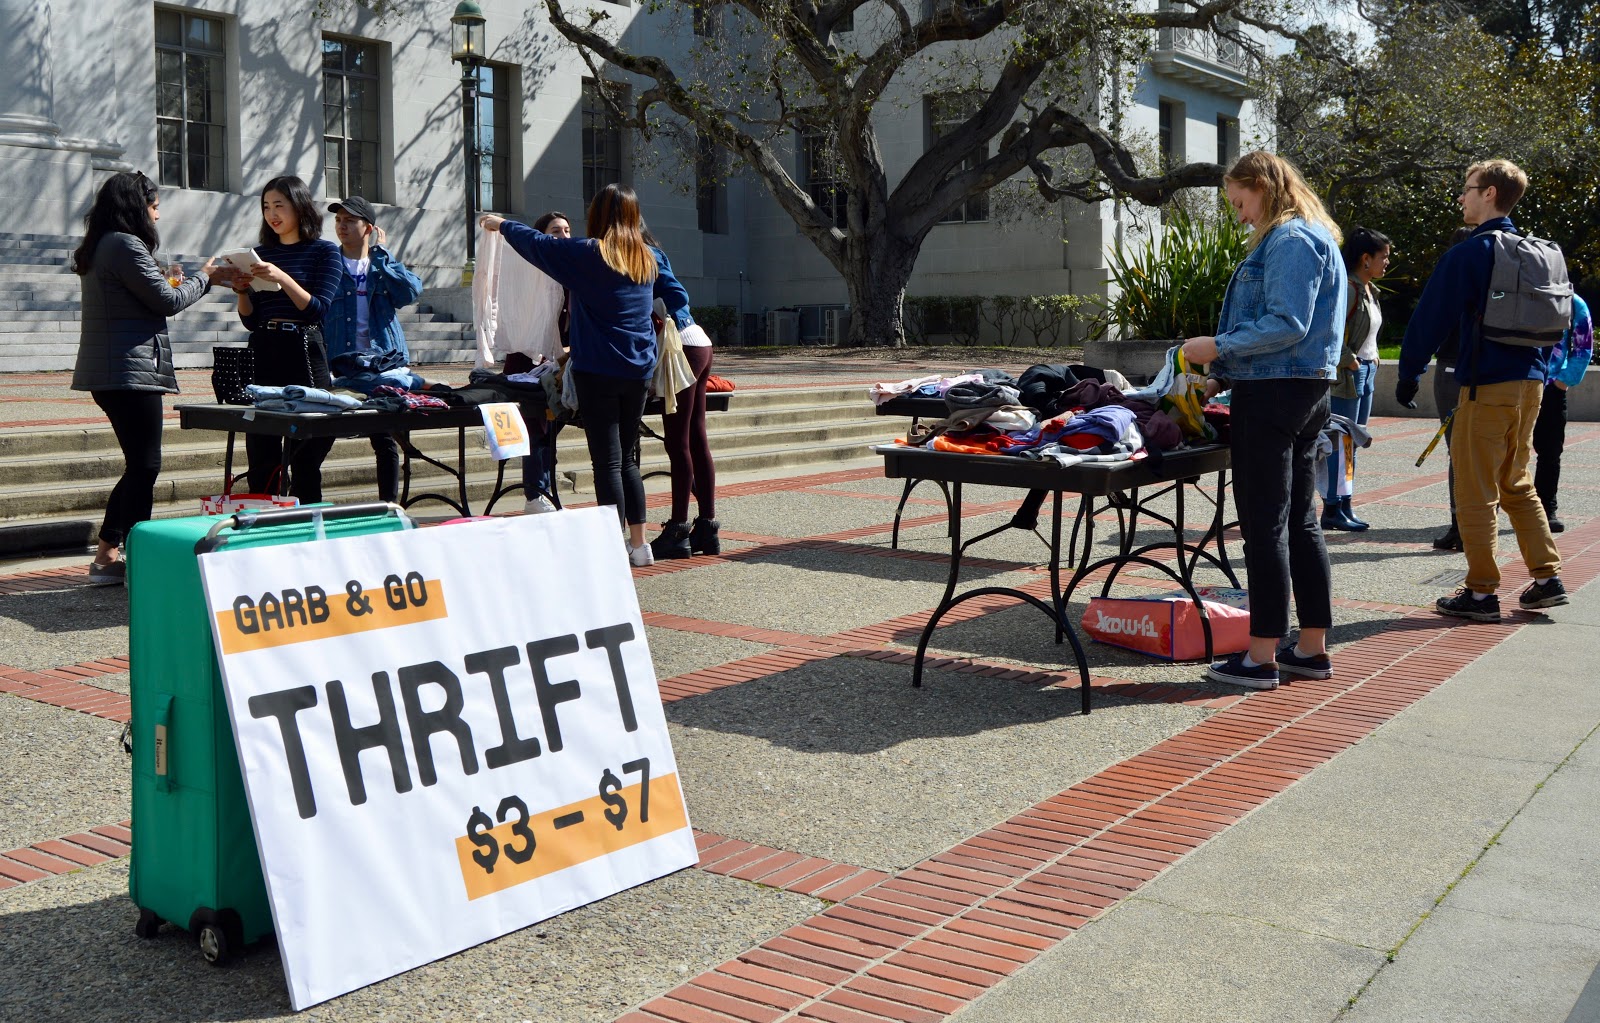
(899, 509)
(227, 466)
(461, 469)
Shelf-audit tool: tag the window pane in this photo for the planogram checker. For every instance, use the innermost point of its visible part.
(203, 34)
(169, 101)
(333, 164)
(364, 168)
(332, 54)
(172, 169)
(169, 28)
(362, 60)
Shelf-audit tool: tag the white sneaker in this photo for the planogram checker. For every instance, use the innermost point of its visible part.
(538, 506)
(641, 556)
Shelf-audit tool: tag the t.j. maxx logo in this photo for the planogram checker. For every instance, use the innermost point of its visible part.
(1144, 626)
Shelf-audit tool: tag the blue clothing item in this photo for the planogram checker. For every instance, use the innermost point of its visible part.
(1358, 410)
(368, 382)
(1452, 305)
(671, 293)
(1570, 358)
(316, 266)
(389, 287)
(1283, 314)
(611, 334)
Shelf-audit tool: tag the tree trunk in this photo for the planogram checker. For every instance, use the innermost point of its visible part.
(876, 270)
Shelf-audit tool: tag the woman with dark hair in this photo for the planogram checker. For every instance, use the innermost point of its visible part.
(1278, 346)
(124, 356)
(609, 276)
(285, 325)
(1366, 258)
(684, 431)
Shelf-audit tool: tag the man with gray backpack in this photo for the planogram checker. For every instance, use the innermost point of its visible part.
(1509, 298)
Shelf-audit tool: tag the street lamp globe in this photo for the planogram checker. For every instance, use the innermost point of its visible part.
(466, 33)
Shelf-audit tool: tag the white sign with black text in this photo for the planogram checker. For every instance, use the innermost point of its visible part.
(446, 735)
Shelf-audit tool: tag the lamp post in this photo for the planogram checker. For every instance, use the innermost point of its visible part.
(466, 49)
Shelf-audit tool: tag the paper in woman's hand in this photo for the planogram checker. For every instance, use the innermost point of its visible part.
(243, 260)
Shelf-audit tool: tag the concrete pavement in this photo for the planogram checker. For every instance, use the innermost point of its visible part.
(1411, 840)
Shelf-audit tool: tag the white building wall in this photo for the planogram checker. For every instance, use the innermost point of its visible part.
(77, 99)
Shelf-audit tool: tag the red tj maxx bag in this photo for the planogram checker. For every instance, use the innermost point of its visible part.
(1168, 625)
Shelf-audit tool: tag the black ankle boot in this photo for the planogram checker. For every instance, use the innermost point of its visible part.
(672, 543)
(1450, 541)
(1333, 517)
(1355, 523)
(703, 538)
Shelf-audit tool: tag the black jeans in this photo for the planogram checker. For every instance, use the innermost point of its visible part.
(1446, 392)
(304, 459)
(387, 451)
(1549, 437)
(136, 420)
(1274, 431)
(611, 408)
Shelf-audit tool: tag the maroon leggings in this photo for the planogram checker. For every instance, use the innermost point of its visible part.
(688, 450)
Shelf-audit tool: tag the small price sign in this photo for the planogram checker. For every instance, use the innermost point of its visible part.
(505, 430)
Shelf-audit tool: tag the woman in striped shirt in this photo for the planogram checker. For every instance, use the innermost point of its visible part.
(285, 325)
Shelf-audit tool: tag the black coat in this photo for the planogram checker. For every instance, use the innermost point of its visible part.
(126, 302)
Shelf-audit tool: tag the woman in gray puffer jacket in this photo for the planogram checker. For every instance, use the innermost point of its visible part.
(124, 356)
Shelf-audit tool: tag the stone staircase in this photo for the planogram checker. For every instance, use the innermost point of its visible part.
(39, 302)
(54, 481)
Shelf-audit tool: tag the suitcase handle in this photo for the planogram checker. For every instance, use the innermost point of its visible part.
(240, 522)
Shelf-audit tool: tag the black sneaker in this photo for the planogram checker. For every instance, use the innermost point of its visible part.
(1544, 593)
(1233, 672)
(1450, 541)
(1318, 666)
(1556, 525)
(1462, 604)
(116, 574)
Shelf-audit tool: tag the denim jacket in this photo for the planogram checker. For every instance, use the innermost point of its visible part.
(389, 286)
(1284, 312)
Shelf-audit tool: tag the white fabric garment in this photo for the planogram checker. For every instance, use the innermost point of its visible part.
(695, 336)
(516, 307)
(1369, 344)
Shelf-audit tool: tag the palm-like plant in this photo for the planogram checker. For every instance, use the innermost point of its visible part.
(1173, 287)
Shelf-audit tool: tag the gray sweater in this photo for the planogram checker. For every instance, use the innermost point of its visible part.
(126, 302)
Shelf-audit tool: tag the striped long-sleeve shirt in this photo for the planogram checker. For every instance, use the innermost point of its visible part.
(315, 265)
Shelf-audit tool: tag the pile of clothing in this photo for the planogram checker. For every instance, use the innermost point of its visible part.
(1067, 414)
(366, 371)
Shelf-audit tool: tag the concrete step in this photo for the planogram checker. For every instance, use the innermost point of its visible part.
(57, 480)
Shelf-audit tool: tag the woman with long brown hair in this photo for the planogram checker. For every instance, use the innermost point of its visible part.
(1277, 345)
(609, 277)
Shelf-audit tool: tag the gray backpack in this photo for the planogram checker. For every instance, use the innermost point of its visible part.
(1530, 296)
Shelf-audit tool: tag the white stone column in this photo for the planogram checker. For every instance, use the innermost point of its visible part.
(26, 92)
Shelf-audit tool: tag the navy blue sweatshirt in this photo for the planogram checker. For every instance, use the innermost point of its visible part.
(316, 266)
(1452, 303)
(610, 334)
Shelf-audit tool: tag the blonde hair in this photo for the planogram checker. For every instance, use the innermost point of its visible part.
(614, 221)
(1284, 194)
(1509, 181)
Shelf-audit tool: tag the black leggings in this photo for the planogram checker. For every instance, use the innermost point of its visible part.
(136, 420)
(688, 447)
(611, 407)
(1274, 431)
(304, 458)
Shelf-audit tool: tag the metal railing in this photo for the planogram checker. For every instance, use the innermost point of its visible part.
(1206, 45)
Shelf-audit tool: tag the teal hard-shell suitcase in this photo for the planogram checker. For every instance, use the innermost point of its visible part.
(194, 852)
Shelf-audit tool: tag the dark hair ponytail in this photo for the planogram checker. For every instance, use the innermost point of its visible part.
(299, 196)
(122, 205)
(1363, 241)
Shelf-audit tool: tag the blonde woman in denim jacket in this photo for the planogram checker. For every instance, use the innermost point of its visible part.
(1278, 345)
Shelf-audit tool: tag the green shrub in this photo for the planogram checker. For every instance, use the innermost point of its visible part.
(1173, 287)
(718, 321)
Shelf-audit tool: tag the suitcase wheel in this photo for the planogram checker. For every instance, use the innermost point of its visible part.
(148, 924)
(218, 933)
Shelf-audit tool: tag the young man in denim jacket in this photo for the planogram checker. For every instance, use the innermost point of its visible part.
(1501, 386)
(362, 331)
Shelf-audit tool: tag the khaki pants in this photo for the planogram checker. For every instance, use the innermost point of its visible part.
(1491, 444)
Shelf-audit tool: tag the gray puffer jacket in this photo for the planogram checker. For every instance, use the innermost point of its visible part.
(126, 302)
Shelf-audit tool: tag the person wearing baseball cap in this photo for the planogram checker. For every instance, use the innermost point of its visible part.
(362, 330)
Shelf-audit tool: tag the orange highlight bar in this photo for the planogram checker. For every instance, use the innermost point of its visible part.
(579, 843)
(340, 621)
